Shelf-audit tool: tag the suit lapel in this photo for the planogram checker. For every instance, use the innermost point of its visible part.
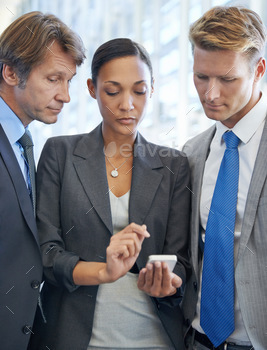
(145, 180)
(197, 159)
(255, 189)
(20, 187)
(89, 162)
(90, 167)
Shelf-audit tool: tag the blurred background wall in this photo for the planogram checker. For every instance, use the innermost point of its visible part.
(161, 26)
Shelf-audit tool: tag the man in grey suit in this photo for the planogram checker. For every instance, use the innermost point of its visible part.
(228, 44)
(38, 58)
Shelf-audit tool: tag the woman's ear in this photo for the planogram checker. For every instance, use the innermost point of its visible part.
(91, 88)
(9, 75)
(152, 87)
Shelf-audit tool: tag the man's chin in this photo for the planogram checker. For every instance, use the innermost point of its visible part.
(216, 116)
(48, 120)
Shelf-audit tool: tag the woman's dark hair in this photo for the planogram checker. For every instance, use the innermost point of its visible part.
(116, 48)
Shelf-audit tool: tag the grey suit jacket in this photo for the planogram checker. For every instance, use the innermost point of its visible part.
(251, 265)
(74, 221)
(20, 258)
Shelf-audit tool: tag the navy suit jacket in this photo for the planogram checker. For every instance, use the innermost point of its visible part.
(20, 258)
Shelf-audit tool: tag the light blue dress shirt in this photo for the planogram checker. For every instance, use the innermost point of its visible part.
(13, 129)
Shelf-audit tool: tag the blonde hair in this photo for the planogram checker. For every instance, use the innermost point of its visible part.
(24, 43)
(230, 28)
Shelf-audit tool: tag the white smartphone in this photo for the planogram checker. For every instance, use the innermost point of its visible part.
(169, 259)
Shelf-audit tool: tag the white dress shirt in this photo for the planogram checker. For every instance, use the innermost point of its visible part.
(249, 130)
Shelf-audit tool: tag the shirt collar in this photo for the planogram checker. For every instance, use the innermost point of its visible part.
(249, 124)
(11, 124)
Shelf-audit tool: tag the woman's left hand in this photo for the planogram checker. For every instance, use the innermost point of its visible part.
(157, 281)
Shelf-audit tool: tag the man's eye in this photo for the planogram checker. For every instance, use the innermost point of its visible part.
(203, 77)
(228, 80)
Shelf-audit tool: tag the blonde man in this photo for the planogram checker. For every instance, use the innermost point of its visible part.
(228, 46)
(38, 58)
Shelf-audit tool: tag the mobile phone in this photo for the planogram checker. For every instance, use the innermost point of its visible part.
(169, 259)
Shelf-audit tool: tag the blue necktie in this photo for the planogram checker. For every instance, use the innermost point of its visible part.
(26, 142)
(217, 294)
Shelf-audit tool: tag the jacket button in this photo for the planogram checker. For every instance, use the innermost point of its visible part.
(35, 284)
(27, 329)
(195, 286)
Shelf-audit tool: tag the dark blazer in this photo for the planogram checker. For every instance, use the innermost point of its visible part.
(74, 222)
(251, 265)
(20, 258)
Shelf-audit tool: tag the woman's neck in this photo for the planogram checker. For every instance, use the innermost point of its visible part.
(120, 146)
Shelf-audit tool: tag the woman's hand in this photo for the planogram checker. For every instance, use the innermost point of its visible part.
(123, 250)
(156, 280)
(122, 253)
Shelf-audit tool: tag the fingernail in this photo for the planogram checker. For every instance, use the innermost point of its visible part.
(149, 266)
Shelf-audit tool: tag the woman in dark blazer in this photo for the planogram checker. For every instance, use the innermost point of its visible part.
(99, 291)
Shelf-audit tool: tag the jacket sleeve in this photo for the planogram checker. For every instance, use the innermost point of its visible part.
(58, 262)
(177, 235)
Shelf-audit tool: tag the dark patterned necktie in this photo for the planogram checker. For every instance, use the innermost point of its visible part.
(217, 294)
(27, 145)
